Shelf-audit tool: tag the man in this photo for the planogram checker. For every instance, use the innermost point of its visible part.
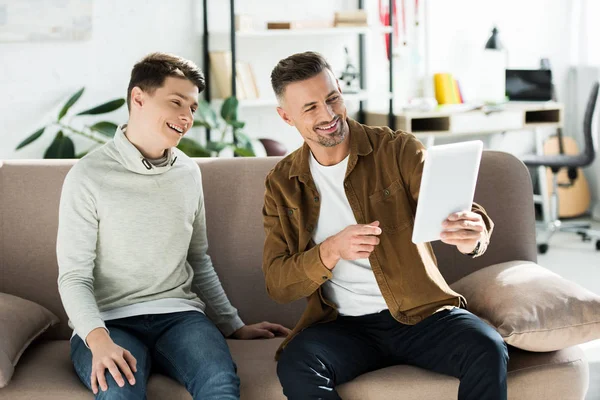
(134, 276)
(338, 217)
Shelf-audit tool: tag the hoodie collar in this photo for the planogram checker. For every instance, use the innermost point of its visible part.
(131, 158)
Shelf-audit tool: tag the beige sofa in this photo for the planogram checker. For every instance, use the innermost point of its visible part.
(29, 196)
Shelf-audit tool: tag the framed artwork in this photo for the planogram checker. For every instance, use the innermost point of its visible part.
(45, 20)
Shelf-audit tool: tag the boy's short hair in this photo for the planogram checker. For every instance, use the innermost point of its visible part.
(150, 73)
(295, 68)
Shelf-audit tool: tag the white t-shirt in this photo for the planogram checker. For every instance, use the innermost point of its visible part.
(353, 288)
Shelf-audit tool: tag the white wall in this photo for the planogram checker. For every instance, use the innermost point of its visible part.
(565, 31)
(35, 78)
(529, 30)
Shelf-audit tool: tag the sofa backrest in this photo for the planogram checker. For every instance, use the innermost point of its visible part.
(234, 189)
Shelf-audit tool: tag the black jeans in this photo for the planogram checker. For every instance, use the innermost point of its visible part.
(451, 342)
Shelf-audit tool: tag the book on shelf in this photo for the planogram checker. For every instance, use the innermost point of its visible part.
(308, 24)
(245, 75)
(244, 23)
(220, 64)
(351, 15)
(349, 18)
(349, 24)
(220, 67)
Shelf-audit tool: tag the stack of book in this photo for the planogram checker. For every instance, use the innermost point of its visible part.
(350, 18)
(308, 24)
(244, 23)
(447, 90)
(220, 64)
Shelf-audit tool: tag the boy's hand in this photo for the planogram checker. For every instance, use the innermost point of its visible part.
(107, 355)
(263, 330)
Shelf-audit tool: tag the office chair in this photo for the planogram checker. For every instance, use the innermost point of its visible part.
(560, 161)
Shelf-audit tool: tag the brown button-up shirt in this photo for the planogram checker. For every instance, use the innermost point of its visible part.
(382, 183)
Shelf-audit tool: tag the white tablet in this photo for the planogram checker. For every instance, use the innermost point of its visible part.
(447, 186)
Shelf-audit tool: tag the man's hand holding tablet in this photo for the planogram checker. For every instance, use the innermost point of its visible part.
(446, 197)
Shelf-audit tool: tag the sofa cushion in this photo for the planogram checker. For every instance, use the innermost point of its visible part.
(45, 371)
(531, 376)
(531, 307)
(256, 367)
(21, 321)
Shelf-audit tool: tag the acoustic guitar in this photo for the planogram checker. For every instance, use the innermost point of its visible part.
(573, 197)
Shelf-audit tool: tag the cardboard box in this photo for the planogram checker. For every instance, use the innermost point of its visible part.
(359, 16)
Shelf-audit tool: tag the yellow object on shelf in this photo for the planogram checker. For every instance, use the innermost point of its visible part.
(446, 89)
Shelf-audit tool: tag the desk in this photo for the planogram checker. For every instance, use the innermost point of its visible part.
(512, 117)
(429, 125)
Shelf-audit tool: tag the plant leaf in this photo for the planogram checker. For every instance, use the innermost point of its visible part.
(70, 103)
(236, 124)
(206, 114)
(104, 127)
(198, 122)
(229, 109)
(242, 137)
(216, 146)
(31, 138)
(61, 147)
(192, 148)
(107, 107)
(241, 151)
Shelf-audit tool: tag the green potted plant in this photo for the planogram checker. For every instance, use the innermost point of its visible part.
(62, 146)
(227, 127)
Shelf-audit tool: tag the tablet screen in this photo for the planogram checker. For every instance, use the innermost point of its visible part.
(447, 186)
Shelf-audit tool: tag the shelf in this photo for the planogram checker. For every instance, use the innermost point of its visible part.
(226, 34)
(271, 101)
(366, 96)
(309, 32)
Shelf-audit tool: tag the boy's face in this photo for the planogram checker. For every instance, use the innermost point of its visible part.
(168, 113)
(316, 108)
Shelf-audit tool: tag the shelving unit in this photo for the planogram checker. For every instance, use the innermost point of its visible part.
(272, 101)
(312, 32)
(261, 102)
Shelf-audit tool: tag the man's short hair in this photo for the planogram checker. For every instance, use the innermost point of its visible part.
(295, 68)
(150, 73)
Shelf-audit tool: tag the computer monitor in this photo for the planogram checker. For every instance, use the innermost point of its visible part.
(529, 84)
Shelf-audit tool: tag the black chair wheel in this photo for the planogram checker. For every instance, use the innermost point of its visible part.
(543, 248)
(598, 245)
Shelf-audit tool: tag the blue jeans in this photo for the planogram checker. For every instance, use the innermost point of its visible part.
(185, 346)
(451, 342)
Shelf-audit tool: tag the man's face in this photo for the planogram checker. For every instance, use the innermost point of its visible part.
(316, 108)
(168, 113)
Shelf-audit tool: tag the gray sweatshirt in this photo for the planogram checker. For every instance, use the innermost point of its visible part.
(130, 232)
